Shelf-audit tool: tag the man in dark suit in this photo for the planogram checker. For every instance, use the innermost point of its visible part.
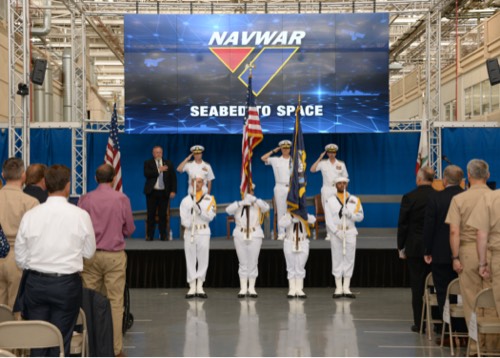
(160, 187)
(410, 238)
(437, 251)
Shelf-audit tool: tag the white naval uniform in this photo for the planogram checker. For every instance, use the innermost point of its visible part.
(248, 246)
(343, 265)
(295, 258)
(196, 247)
(282, 169)
(330, 172)
(194, 170)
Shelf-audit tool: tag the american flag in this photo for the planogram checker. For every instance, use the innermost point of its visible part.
(423, 147)
(112, 156)
(252, 136)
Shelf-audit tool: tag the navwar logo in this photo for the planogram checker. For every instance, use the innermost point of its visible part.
(276, 49)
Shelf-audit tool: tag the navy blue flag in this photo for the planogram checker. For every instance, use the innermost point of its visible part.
(296, 199)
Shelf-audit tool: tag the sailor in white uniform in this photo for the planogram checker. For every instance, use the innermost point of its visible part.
(331, 169)
(197, 210)
(282, 168)
(197, 167)
(296, 249)
(248, 214)
(342, 211)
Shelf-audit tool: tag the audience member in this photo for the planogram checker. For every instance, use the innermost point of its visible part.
(35, 182)
(52, 241)
(410, 238)
(111, 216)
(13, 204)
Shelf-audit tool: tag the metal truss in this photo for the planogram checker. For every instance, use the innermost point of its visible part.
(405, 126)
(19, 109)
(78, 100)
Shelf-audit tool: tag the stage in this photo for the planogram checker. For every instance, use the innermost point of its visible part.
(161, 264)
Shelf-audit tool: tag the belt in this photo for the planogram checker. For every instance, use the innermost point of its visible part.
(341, 227)
(252, 229)
(51, 274)
(200, 226)
(285, 184)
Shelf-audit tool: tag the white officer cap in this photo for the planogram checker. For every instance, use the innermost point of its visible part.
(285, 143)
(341, 180)
(196, 149)
(332, 148)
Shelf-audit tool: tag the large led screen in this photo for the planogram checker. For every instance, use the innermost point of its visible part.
(189, 73)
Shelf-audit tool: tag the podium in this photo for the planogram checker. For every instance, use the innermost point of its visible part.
(437, 184)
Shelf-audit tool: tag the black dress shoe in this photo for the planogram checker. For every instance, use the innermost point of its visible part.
(164, 238)
(415, 328)
(190, 296)
(290, 296)
(302, 297)
(201, 295)
(253, 295)
(337, 295)
(149, 239)
(241, 295)
(349, 295)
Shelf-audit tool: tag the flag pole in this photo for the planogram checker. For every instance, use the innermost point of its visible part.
(249, 177)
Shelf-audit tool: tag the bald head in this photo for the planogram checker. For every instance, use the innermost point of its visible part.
(104, 174)
(425, 176)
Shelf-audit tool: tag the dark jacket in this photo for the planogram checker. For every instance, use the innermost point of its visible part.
(436, 231)
(151, 174)
(37, 192)
(411, 220)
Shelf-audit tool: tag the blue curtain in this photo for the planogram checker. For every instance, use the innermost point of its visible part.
(377, 163)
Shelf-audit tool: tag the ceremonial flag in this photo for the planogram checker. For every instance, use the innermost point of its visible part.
(296, 199)
(112, 156)
(423, 147)
(252, 136)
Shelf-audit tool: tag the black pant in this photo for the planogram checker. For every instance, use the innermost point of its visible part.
(418, 271)
(56, 300)
(157, 200)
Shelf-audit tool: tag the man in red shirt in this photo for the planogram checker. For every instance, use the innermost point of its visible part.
(111, 216)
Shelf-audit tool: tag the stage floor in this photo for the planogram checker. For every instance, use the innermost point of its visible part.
(376, 323)
(363, 242)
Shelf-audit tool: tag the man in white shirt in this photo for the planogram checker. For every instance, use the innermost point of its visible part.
(197, 167)
(331, 169)
(52, 240)
(282, 169)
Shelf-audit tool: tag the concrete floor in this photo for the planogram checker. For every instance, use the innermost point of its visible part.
(376, 323)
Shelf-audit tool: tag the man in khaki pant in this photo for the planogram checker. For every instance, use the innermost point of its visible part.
(463, 236)
(112, 219)
(13, 204)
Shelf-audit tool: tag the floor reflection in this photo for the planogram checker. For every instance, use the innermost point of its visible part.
(196, 343)
(248, 338)
(341, 337)
(293, 341)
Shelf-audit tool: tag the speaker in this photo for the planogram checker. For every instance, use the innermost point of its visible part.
(493, 70)
(38, 72)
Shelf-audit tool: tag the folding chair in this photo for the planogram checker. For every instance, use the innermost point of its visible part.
(484, 325)
(319, 213)
(429, 301)
(6, 313)
(452, 310)
(79, 341)
(29, 335)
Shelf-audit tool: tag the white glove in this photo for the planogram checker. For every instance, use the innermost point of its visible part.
(197, 209)
(339, 234)
(346, 213)
(250, 199)
(295, 220)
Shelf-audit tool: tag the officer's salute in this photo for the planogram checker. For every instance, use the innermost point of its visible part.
(197, 167)
(331, 169)
(282, 169)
